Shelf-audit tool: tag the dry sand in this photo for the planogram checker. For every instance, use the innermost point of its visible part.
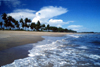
(10, 39)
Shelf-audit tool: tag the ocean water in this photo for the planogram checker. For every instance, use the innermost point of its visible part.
(73, 50)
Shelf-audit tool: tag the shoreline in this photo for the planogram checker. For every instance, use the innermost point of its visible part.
(15, 44)
(9, 39)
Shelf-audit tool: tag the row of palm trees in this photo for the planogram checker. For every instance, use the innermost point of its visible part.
(26, 24)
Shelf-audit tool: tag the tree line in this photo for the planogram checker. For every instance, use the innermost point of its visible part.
(25, 24)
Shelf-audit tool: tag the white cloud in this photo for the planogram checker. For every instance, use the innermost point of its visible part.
(59, 26)
(14, 3)
(57, 22)
(22, 13)
(24, 10)
(78, 28)
(74, 26)
(47, 13)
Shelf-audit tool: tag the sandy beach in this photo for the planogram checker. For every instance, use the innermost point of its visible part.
(10, 39)
(15, 44)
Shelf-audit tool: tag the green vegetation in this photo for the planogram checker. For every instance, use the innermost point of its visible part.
(25, 24)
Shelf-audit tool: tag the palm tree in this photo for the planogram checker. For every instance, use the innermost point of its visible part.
(33, 26)
(13, 20)
(21, 21)
(66, 30)
(29, 21)
(26, 20)
(10, 25)
(42, 27)
(10, 18)
(6, 23)
(16, 22)
(9, 21)
(38, 26)
(17, 26)
(1, 24)
(4, 16)
(48, 27)
(23, 25)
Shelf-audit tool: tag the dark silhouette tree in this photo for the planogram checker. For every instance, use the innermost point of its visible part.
(17, 26)
(54, 29)
(23, 25)
(48, 27)
(13, 20)
(38, 26)
(10, 19)
(1, 24)
(42, 27)
(10, 25)
(27, 21)
(66, 30)
(16, 22)
(10, 22)
(33, 26)
(6, 23)
(4, 16)
(60, 29)
(21, 21)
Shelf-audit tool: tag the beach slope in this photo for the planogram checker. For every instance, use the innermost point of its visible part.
(10, 39)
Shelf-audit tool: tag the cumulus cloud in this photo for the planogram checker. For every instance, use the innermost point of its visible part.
(78, 28)
(48, 12)
(75, 26)
(58, 22)
(44, 15)
(14, 3)
(22, 13)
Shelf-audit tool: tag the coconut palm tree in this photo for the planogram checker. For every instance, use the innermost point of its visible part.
(33, 26)
(4, 16)
(9, 18)
(42, 27)
(17, 24)
(26, 20)
(1, 24)
(21, 21)
(29, 21)
(38, 26)
(10, 22)
(48, 27)
(6, 23)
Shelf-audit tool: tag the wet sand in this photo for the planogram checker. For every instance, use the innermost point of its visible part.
(10, 39)
(15, 44)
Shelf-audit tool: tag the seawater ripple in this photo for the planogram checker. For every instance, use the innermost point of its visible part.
(68, 51)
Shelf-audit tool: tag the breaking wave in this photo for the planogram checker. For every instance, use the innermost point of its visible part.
(70, 50)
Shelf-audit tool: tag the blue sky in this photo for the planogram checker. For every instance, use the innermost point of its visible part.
(79, 15)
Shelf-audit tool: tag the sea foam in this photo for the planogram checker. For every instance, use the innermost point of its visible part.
(58, 52)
